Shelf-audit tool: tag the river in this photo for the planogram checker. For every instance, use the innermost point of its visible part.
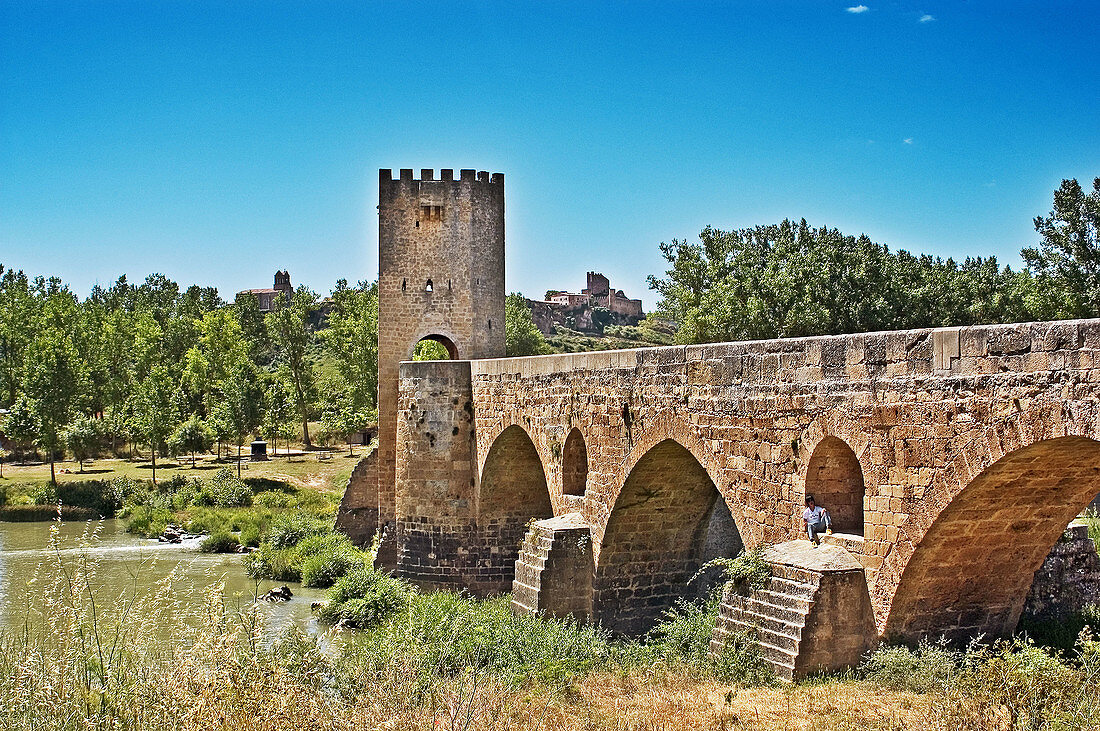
(128, 568)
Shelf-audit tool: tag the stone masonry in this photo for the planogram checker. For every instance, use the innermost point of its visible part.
(975, 448)
(441, 277)
(952, 458)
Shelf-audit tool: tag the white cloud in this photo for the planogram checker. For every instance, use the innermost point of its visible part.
(858, 9)
(926, 18)
(908, 140)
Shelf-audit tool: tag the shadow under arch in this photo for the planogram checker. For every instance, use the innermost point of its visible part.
(971, 571)
(835, 478)
(574, 464)
(668, 520)
(513, 491)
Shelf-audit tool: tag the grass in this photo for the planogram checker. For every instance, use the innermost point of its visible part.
(444, 661)
(303, 471)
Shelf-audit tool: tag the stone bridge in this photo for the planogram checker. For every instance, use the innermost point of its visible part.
(951, 460)
(598, 484)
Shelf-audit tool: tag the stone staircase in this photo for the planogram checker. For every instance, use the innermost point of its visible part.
(554, 569)
(813, 614)
(775, 615)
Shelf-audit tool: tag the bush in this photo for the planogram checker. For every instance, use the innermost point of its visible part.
(250, 535)
(147, 521)
(221, 542)
(365, 597)
(204, 520)
(36, 513)
(225, 490)
(289, 530)
(927, 669)
(278, 564)
(322, 569)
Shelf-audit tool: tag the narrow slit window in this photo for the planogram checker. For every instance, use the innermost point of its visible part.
(428, 286)
(404, 283)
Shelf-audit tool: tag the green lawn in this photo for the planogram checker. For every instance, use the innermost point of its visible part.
(307, 470)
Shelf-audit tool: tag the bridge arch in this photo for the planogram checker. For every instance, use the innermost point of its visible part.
(667, 521)
(443, 343)
(574, 464)
(1005, 502)
(513, 490)
(834, 477)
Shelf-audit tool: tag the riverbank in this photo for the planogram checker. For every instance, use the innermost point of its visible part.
(189, 651)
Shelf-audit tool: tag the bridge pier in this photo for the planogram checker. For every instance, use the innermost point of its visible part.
(814, 615)
(554, 570)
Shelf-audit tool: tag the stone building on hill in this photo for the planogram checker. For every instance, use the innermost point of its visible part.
(268, 296)
(578, 311)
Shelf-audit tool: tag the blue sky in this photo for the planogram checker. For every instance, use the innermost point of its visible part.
(218, 142)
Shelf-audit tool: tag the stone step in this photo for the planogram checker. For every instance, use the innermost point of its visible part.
(773, 623)
(794, 574)
(780, 661)
(791, 588)
(780, 599)
(766, 636)
(758, 605)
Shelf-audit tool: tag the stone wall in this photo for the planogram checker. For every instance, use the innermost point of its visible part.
(940, 422)
(1069, 578)
(357, 516)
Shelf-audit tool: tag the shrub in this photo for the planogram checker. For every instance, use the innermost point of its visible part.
(365, 597)
(250, 535)
(204, 520)
(221, 542)
(35, 513)
(274, 500)
(289, 530)
(225, 490)
(321, 570)
(147, 521)
(279, 564)
(927, 669)
(746, 573)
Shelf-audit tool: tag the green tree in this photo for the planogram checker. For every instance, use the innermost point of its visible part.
(1067, 261)
(220, 350)
(246, 307)
(192, 436)
(521, 337)
(278, 414)
(291, 332)
(82, 438)
(53, 382)
(351, 340)
(19, 314)
(341, 419)
(21, 427)
(156, 410)
(240, 405)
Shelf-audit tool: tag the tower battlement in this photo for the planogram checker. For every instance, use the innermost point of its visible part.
(385, 176)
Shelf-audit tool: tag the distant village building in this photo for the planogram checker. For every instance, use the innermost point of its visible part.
(267, 297)
(575, 311)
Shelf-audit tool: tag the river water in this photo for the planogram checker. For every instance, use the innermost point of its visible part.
(127, 570)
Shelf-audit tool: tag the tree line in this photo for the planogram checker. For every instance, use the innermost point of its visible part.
(791, 279)
(177, 370)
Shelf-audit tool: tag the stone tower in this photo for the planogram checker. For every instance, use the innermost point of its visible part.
(440, 277)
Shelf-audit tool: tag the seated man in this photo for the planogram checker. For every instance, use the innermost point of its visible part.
(816, 520)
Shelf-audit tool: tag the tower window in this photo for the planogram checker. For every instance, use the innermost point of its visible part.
(404, 283)
(428, 287)
(431, 213)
